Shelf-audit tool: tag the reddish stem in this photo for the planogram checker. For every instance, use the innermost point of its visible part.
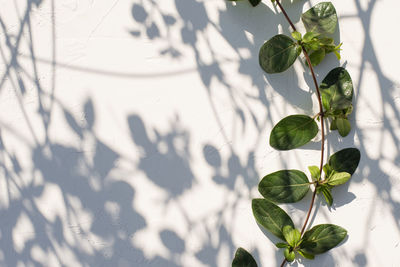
(321, 115)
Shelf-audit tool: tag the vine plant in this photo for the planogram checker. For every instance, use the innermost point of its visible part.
(334, 95)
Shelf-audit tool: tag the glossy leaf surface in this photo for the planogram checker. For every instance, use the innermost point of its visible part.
(327, 169)
(343, 125)
(345, 160)
(284, 186)
(293, 132)
(317, 56)
(289, 255)
(315, 172)
(243, 259)
(338, 178)
(308, 36)
(254, 2)
(326, 191)
(278, 54)
(296, 35)
(291, 235)
(271, 217)
(322, 238)
(321, 18)
(306, 255)
(337, 89)
(282, 245)
(333, 125)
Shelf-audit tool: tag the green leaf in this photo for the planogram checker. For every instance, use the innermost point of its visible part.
(289, 255)
(337, 89)
(243, 259)
(338, 178)
(327, 41)
(296, 35)
(349, 110)
(337, 54)
(305, 254)
(315, 172)
(291, 235)
(284, 186)
(271, 217)
(327, 170)
(309, 36)
(343, 126)
(322, 238)
(333, 125)
(282, 245)
(345, 160)
(254, 2)
(336, 51)
(314, 44)
(321, 18)
(299, 49)
(317, 56)
(327, 194)
(278, 54)
(293, 132)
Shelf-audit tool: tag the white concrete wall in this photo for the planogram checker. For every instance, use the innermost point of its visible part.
(134, 133)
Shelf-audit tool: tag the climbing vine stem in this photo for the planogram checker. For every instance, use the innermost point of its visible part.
(334, 96)
(321, 115)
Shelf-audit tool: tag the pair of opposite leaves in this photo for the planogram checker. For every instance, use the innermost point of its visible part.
(317, 240)
(281, 187)
(277, 55)
(288, 186)
(281, 51)
(297, 130)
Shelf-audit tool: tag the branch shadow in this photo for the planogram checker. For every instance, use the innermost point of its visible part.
(77, 205)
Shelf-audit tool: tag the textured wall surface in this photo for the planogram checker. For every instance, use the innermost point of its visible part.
(134, 133)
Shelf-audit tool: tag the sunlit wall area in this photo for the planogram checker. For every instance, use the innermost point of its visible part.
(134, 133)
